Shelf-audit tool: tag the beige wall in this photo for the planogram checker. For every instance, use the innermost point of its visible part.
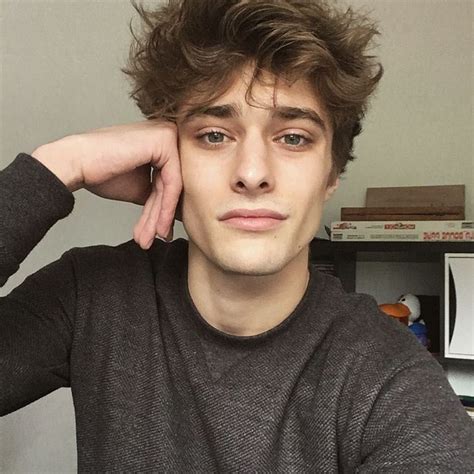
(60, 74)
(419, 130)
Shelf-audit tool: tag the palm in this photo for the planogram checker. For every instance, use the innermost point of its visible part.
(134, 186)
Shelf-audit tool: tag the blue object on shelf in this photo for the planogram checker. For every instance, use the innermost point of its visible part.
(420, 331)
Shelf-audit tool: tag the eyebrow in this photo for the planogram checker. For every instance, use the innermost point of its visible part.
(233, 111)
(294, 113)
(219, 111)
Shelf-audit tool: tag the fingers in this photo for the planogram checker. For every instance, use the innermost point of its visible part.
(137, 230)
(142, 233)
(149, 227)
(159, 211)
(169, 237)
(171, 179)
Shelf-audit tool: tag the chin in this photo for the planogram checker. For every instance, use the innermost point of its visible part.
(252, 262)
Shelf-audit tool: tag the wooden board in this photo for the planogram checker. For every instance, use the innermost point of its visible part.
(416, 196)
(431, 213)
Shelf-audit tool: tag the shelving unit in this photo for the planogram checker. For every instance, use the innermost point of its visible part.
(345, 256)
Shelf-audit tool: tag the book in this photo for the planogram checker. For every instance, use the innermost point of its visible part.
(428, 213)
(405, 231)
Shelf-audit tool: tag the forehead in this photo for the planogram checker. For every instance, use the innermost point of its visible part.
(267, 91)
(266, 86)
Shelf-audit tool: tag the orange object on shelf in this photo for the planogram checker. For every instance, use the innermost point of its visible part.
(396, 310)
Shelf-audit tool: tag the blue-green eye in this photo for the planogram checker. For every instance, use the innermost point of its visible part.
(215, 137)
(293, 139)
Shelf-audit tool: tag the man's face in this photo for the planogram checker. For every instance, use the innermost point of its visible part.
(274, 154)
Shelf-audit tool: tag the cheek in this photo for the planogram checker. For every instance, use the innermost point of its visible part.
(198, 171)
(200, 182)
(310, 203)
(314, 206)
(191, 172)
(311, 216)
(309, 184)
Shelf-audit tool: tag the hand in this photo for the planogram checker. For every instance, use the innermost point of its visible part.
(136, 163)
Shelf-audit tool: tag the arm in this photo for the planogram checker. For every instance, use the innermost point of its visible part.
(36, 317)
(418, 424)
(32, 200)
(116, 162)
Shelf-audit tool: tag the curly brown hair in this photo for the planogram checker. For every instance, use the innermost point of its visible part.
(191, 49)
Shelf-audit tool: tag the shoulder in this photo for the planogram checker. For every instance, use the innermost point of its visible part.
(365, 333)
(127, 258)
(127, 250)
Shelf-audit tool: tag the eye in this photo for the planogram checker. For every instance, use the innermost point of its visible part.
(212, 137)
(215, 137)
(294, 140)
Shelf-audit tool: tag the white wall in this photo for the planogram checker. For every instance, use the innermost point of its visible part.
(60, 74)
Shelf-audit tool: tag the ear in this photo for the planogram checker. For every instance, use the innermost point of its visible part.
(331, 189)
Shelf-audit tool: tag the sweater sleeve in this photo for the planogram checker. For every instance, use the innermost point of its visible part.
(32, 200)
(418, 424)
(36, 317)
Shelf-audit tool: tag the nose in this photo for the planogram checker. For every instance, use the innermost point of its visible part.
(253, 172)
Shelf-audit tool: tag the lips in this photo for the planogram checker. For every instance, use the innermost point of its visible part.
(253, 213)
(253, 219)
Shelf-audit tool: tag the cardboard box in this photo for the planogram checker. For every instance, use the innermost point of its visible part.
(405, 231)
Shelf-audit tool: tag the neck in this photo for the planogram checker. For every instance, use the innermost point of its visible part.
(245, 305)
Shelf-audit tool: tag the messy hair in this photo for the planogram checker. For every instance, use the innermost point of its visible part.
(191, 50)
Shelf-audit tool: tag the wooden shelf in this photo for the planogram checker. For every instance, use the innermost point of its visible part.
(323, 246)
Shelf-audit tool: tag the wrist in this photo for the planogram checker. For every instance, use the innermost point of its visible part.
(58, 157)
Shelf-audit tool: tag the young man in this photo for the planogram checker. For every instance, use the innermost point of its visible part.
(227, 353)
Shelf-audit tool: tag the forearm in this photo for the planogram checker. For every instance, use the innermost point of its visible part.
(60, 158)
(32, 200)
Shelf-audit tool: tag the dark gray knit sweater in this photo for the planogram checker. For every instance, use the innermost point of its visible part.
(336, 387)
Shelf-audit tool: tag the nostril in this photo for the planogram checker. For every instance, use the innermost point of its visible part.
(241, 185)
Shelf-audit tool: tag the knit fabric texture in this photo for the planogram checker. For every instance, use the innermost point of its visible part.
(338, 386)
